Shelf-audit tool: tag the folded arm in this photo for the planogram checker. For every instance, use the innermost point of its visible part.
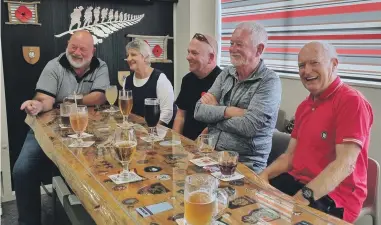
(260, 112)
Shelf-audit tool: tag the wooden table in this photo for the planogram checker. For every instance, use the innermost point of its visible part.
(86, 170)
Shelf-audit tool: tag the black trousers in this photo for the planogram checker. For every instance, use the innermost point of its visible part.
(288, 185)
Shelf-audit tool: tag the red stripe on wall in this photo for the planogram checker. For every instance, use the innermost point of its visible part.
(339, 51)
(307, 12)
(322, 37)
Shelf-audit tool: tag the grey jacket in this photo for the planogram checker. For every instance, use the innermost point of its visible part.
(251, 134)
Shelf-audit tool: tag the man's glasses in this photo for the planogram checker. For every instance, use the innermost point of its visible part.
(202, 38)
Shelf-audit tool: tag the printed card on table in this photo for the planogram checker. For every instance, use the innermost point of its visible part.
(83, 144)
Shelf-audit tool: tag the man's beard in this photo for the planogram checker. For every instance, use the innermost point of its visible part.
(237, 62)
(74, 64)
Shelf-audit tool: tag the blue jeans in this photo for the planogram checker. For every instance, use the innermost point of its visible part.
(28, 171)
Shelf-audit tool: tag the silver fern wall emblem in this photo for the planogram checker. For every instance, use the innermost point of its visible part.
(101, 23)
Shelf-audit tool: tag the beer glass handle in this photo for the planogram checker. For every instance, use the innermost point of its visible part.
(222, 200)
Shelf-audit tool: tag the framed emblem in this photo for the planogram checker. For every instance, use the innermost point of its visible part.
(31, 54)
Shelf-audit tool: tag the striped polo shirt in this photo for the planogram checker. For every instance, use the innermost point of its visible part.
(59, 80)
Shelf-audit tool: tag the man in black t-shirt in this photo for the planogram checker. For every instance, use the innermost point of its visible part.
(202, 53)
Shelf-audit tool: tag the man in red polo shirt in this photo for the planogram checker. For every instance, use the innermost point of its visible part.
(325, 164)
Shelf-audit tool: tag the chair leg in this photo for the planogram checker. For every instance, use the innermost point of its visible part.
(54, 202)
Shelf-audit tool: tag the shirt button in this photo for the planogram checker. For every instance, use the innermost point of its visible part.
(313, 109)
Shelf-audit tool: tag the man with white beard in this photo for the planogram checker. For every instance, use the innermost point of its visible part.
(75, 70)
(241, 107)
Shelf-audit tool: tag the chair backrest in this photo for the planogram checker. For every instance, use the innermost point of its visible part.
(279, 145)
(373, 183)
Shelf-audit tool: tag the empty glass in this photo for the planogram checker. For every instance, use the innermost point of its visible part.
(205, 144)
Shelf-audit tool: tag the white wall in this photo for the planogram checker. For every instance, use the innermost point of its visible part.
(199, 16)
(190, 17)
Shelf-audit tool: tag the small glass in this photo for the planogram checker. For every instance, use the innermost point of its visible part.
(205, 144)
(203, 200)
(111, 96)
(125, 105)
(227, 161)
(124, 150)
(73, 98)
(65, 109)
(152, 117)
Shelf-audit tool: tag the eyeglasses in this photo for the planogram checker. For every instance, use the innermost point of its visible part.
(202, 38)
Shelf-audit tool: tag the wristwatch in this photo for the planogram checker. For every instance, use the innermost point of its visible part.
(308, 194)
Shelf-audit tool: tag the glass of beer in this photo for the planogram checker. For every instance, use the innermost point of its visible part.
(111, 96)
(205, 144)
(203, 200)
(74, 97)
(124, 150)
(152, 116)
(227, 161)
(78, 120)
(125, 105)
(65, 109)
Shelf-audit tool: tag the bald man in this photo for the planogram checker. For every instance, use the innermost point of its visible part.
(202, 58)
(75, 70)
(325, 164)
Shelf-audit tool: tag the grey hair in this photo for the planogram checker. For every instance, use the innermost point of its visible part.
(257, 30)
(329, 49)
(142, 47)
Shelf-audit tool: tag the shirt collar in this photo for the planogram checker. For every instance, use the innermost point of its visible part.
(257, 73)
(332, 88)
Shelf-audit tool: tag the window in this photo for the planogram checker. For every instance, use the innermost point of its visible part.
(352, 26)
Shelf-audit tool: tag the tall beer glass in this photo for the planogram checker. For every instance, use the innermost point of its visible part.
(203, 199)
(125, 105)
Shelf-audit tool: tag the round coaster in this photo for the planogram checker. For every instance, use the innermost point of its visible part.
(163, 177)
(152, 169)
(119, 188)
(170, 143)
(130, 201)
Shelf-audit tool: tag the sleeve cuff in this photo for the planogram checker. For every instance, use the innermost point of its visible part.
(98, 90)
(354, 140)
(46, 93)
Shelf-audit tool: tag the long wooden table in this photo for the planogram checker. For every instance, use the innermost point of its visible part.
(86, 170)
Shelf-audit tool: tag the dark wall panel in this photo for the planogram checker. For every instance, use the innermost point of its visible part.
(54, 15)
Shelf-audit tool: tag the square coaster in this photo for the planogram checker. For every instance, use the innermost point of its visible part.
(204, 161)
(84, 144)
(84, 135)
(235, 176)
(133, 178)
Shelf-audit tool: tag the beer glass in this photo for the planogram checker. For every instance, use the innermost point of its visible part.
(203, 199)
(152, 116)
(74, 97)
(111, 96)
(227, 161)
(124, 150)
(65, 109)
(205, 144)
(125, 105)
(78, 120)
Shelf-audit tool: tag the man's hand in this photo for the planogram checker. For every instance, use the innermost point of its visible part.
(32, 107)
(298, 197)
(209, 99)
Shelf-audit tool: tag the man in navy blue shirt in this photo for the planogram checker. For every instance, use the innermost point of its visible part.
(202, 58)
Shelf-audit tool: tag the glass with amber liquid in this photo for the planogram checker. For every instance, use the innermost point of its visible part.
(124, 150)
(125, 105)
(78, 120)
(203, 199)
